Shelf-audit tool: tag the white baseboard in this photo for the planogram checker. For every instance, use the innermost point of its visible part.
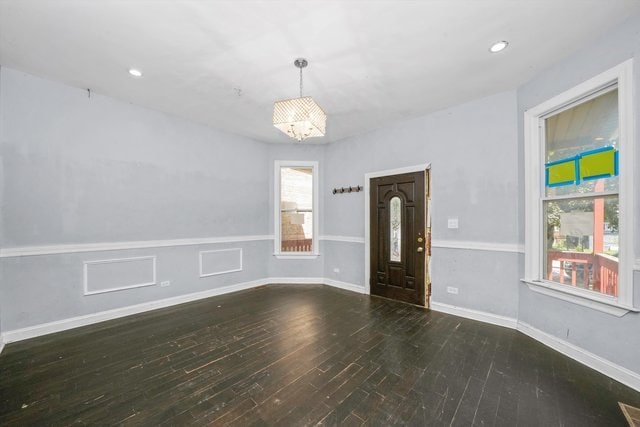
(593, 361)
(344, 285)
(75, 322)
(1, 343)
(482, 316)
(89, 319)
(318, 280)
(295, 280)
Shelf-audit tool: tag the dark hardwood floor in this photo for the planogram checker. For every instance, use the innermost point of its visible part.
(299, 355)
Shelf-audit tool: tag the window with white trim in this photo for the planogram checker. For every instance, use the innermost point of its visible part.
(295, 215)
(579, 190)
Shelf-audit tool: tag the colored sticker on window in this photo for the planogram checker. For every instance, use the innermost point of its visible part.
(600, 163)
(592, 164)
(562, 172)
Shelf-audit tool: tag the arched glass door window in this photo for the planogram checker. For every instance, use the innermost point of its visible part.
(395, 227)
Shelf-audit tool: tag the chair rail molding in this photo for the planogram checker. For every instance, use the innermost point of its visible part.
(347, 239)
(479, 246)
(114, 246)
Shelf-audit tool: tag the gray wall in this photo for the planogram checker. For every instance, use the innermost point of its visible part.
(42, 289)
(472, 149)
(615, 339)
(77, 163)
(81, 169)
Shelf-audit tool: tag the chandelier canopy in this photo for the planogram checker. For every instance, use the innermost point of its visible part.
(302, 117)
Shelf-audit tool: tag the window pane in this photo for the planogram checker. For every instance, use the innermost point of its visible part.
(581, 247)
(395, 228)
(296, 209)
(591, 125)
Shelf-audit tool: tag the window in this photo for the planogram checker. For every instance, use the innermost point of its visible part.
(579, 158)
(581, 194)
(296, 222)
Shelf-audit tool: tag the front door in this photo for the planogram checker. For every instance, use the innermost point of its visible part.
(400, 237)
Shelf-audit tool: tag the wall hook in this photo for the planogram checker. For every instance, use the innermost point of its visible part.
(350, 189)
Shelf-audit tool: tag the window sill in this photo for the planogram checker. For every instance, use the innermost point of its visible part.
(603, 303)
(296, 256)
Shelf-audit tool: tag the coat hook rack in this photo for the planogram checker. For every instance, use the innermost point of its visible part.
(349, 189)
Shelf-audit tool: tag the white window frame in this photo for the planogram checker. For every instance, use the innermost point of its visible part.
(622, 75)
(278, 165)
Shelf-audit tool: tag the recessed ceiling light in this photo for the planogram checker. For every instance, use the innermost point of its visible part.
(498, 46)
(599, 138)
(135, 73)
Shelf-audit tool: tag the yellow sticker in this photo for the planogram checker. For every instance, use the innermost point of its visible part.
(600, 164)
(561, 173)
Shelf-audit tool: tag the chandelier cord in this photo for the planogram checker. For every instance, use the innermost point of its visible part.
(300, 82)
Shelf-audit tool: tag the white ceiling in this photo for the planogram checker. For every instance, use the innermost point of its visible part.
(224, 63)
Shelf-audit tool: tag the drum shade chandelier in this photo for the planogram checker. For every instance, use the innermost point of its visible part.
(300, 118)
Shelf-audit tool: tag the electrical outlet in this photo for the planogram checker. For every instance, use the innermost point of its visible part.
(452, 222)
(336, 270)
(165, 283)
(452, 290)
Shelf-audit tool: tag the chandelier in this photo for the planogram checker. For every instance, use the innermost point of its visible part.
(300, 118)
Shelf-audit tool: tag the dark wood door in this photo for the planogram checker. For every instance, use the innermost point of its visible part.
(400, 241)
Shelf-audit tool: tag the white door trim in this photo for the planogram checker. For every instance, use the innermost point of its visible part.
(367, 237)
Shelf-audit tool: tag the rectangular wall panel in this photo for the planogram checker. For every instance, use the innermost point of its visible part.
(111, 275)
(220, 261)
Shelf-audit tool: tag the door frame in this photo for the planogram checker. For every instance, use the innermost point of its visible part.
(367, 225)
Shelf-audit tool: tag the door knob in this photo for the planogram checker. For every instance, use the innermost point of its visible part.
(420, 249)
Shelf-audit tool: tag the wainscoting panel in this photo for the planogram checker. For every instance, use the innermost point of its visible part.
(110, 275)
(220, 261)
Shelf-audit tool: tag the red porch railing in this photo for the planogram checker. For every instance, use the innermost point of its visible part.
(298, 245)
(608, 267)
(599, 271)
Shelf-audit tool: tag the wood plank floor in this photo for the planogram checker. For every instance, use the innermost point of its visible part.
(300, 355)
